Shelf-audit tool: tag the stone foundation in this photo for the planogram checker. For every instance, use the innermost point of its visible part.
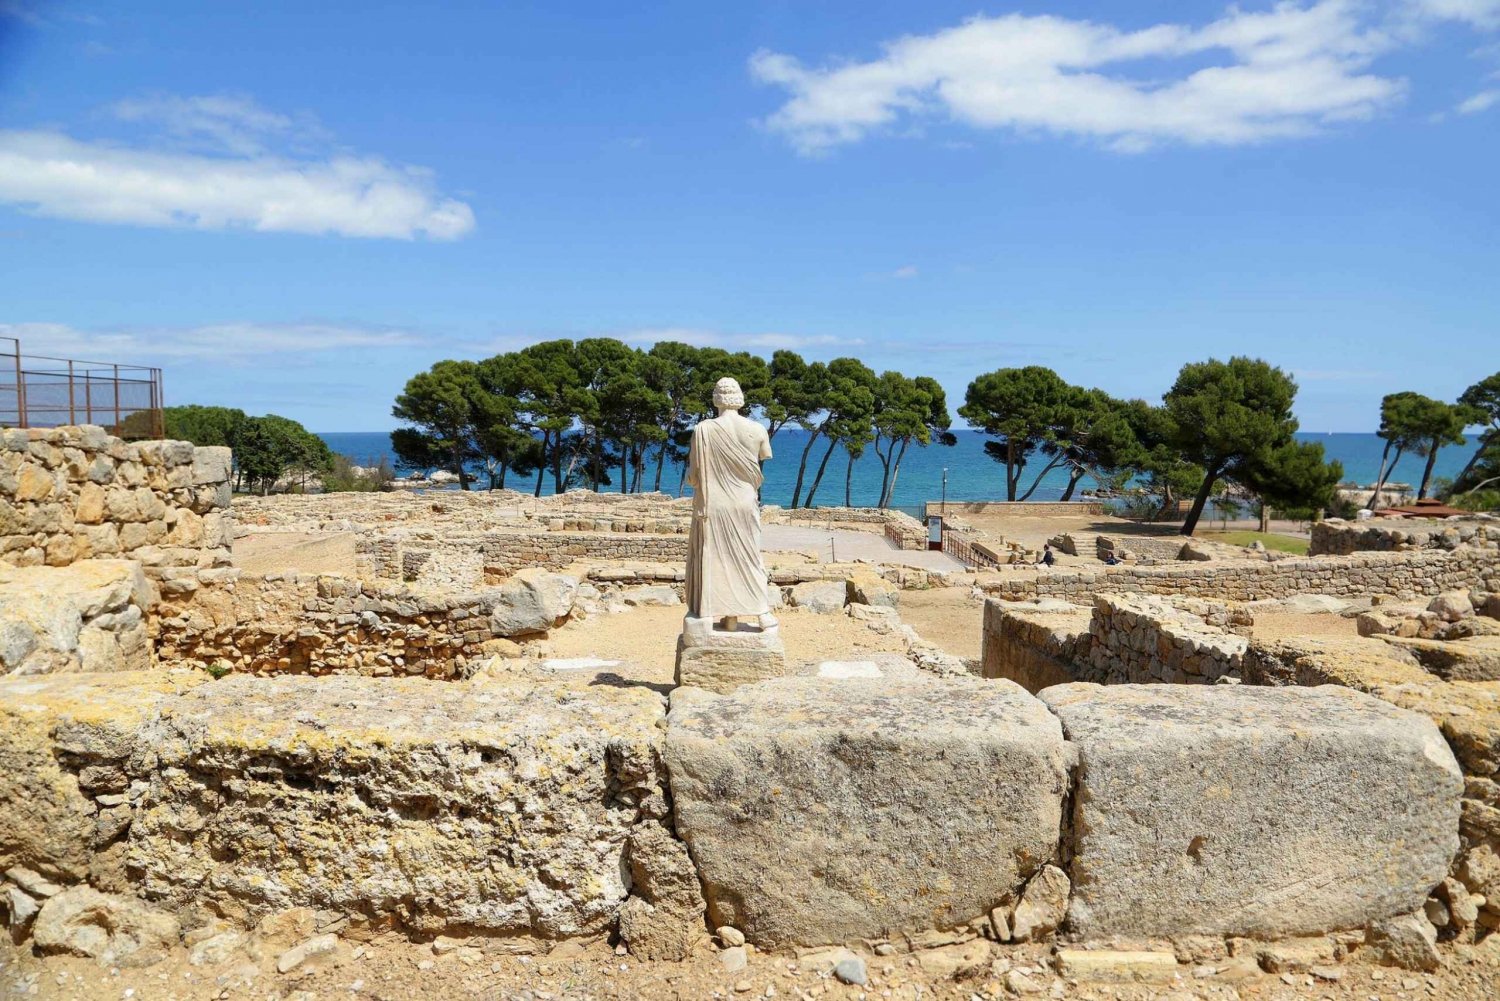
(719, 661)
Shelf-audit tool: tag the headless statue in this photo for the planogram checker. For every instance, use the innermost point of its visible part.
(726, 578)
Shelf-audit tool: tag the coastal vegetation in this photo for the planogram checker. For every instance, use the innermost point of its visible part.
(603, 415)
(267, 450)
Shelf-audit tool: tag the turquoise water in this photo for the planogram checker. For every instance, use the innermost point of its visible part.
(972, 475)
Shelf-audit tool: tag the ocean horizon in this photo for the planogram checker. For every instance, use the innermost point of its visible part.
(971, 474)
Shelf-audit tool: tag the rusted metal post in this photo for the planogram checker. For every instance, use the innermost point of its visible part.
(119, 421)
(20, 390)
(71, 404)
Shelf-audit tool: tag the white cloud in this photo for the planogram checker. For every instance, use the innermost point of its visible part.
(905, 271)
(1479, 13)
(738, 342)
(225, 342)
(1288, 71)
(1482, 101)
(230, 123)
(234, 178)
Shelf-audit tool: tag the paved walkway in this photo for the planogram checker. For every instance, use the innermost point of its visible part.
(841, 545)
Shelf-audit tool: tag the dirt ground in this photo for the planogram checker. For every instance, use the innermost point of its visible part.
(950, 617)
(1290, 625)
(389, 968)
(296, 552)
(647, 638)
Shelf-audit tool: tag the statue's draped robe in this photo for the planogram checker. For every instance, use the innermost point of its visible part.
(725, 575)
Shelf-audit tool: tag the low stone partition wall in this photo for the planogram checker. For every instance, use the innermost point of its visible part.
(465, 511)
(1036, 643)
(1019, 509)
(291, 624)
(76, 493)
(436, 560)
(903, 531)
(505, 555)
(1401, 575)
(1119, 639)
(1336, 537)
(164, 800)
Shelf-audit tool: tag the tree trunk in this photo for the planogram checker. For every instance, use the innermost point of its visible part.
(848, 479)
(1484, 443)
(458, 467)
(661, 460)
(1073, 478)
(832, 444)
(1380, 475)
(896, 472)
(802, 466)
(885, 470)
(1427, 472)
(1037, 482)
(1191, 524)
(504, 468)
(1012, 473)
(541, 468)
(1380, 483)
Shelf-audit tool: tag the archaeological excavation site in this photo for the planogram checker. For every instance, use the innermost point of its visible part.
(481, 744)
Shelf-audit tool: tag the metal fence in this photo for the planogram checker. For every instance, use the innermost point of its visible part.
(41, 392)
(961, 548)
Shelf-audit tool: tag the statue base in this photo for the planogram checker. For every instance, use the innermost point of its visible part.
(722, 661)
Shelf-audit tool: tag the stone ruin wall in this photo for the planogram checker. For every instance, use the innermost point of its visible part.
(1405, 575)
(1336, 537)
(75, 493)
(325, 624)
(1120, 639)
(516, 810)
(903, 531)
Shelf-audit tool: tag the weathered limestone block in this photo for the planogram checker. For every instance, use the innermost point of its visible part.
(114, 929)
(822, 596)
(820, 811)
(533, 601)
(86, 617)
(1261, 812)
(491, 807)
(867, 588)
(65, 739)
(1473, 659)
(721, 661)
(664, 916)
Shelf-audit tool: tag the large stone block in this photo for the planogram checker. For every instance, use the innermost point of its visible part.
(64, 740)
(86, 617)
(438, 806)
(533, 601)
(1262, 812)
(820, 811)
(722, 661)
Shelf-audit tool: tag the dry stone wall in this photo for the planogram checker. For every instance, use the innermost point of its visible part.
(76, 493)
(1336, 537)
(1119, 639)
(1397, 574)
(304, 624)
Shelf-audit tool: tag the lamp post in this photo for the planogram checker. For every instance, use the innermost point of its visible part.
(945, 491)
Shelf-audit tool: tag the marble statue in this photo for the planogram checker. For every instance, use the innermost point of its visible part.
(726, 578)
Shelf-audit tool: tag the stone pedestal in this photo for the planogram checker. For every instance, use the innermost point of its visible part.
(722, 661)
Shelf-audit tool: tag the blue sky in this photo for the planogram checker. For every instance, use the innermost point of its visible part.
(292, 207)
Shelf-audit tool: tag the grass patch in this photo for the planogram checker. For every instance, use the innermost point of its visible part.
(1282, 543)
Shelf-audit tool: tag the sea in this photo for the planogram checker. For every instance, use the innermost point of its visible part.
(960, 472)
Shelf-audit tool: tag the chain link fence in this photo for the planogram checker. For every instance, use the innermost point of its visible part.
(41, 392)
